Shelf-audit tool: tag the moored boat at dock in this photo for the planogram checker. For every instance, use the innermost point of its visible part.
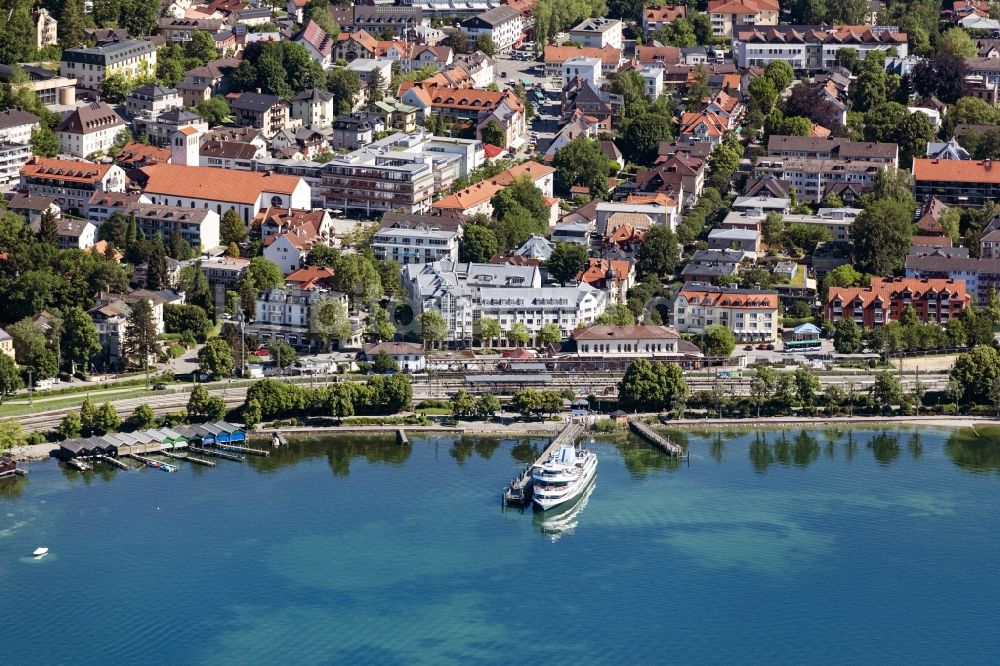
(563, 477)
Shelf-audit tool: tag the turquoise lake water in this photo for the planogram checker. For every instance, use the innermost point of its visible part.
(797, 547)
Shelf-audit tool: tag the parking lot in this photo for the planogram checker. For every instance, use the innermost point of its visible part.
(532, 73)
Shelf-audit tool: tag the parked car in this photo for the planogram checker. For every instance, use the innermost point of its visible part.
(159, 387)
(748, 348)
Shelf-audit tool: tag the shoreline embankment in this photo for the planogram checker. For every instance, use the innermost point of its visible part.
(34, 452)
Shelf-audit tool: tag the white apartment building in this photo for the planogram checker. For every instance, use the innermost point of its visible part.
(13, 156)
(652, 82)
(504, 25)
(198, 226)
(662, 214)
(314, 108)
(811, 49)
(464, 293)
(588, 69)
(16, 126)
(89, 129)
(69, 182)
(751, 314)
(598, 33)
(90, 65)
(283, 314)
(417, 239)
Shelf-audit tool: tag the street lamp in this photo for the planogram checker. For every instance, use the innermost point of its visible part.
(243, 345)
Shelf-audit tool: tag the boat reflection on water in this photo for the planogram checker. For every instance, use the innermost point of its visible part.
(563, 519)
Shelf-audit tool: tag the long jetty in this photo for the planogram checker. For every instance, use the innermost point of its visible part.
(191, 459)
(519, 489)
(656, 439)
(242, 449)
(155, 464)
(215, 453)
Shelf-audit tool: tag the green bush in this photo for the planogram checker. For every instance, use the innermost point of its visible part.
(606, 425)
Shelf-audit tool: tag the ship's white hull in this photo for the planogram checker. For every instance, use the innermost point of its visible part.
(548, 498)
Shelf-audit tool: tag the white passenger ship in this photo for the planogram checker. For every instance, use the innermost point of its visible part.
(563, 477)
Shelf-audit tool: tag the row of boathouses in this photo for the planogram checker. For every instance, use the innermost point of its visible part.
(220, 433)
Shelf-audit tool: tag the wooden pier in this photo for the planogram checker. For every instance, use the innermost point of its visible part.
(16, 471)
(191, 459)
(242, 449)
(217, 454)
(114, 462)
(155, 464)
(519, 490)
(401, 438)
(656, 439)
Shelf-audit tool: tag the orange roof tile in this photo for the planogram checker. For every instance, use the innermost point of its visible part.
(883, 289)
(746, 299)
(956, 171)
(608, 55)
(68, 170)
(242, 187)
(668, 55)
(597, 269)
(473, 195)
(668, 13)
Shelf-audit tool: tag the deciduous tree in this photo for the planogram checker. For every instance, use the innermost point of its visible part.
(566, 261)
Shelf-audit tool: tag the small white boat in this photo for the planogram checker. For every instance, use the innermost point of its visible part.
(39, 552)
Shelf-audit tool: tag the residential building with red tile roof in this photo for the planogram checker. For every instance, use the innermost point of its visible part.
(935, 300)
(658, 55)
(655, 17)
(614, 276)
(476, 198)
(69, 182)
(726, 15)
(319, 44)
(134, 155)
(957, 182)
(89, 129)
(311, 277)
(352, 45)
(751, 314)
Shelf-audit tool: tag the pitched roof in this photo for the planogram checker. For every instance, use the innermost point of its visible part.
(668, 55)
(90, 118)
(66, 170)
(956, 171)
(252, 101)
(394, 349)
(233, 150)
(22, 201)
(883, 289)
(668, 13)
(608, 55)
(311, 277)
(634, 332)
(17, 118)
(243, 187)
(741, 6)
(700, 293)
(316, 37)
(134, 152)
